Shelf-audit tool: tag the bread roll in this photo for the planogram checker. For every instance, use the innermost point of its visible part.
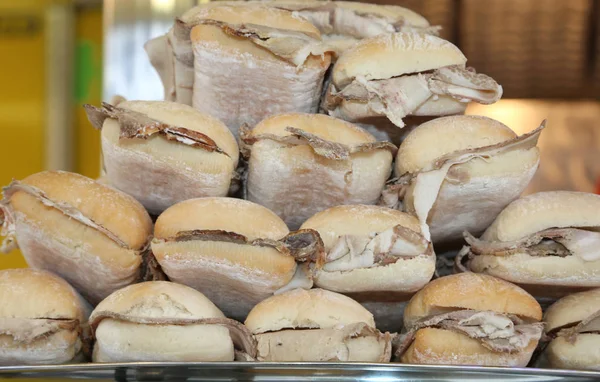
(165, 321)
(252, 62)
(232, 250)
(300, 164)
(374, 254)
(458, 173)
(90, 234)
(316, 325)
(41, 319)
(547, 242)
(573, 327)
(402, 74)
(470, 319)
(162, 153)
(341, 23)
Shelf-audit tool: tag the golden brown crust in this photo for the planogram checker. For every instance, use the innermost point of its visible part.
(228, 214)
(114, 210)
(471, 291)
(30, 293)
(308, 309)
(321, 125)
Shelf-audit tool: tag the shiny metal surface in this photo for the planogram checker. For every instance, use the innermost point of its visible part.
(234, 371)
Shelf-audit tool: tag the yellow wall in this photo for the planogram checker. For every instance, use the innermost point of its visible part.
(23, 92)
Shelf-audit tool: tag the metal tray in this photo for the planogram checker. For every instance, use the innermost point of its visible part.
(298, 371)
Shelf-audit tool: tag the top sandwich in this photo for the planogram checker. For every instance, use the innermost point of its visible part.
(401, 74)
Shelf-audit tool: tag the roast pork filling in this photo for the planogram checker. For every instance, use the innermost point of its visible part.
(498, 332)
(398, 97)
(365, 251)
(582, 243)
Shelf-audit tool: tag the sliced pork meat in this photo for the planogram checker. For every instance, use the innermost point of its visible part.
(582, 243)
(402, 96)
(497, 332)
(354, 251)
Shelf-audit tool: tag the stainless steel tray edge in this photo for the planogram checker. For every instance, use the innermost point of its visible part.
(267, 371)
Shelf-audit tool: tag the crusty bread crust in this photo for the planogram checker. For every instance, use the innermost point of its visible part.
(116, 211)
(156, 299)
(543, 210)
(573, 308)
(228, 214)
(321, 125)
(445, 135)
(582, 354)
(395, 54)
(30, 293)
(471, 291)
(307, 309)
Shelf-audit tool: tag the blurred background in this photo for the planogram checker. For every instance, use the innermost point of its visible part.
(60, 54)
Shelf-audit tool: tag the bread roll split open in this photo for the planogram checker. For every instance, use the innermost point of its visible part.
(548, 242)
(165, 321)
(42, 319)
(300, 164)
(573, 331)
(316, 326)
(470, 319)
(234, 251)
(374, 254)
(162, 153)
(458, 173)
(92, 235)
(405, 74)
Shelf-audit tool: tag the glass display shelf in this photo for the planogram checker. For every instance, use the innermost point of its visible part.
(298, 371)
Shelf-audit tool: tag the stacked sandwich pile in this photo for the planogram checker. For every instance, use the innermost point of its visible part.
(264, 211)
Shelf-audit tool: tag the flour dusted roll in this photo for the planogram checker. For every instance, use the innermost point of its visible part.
(235, 252)
(458, 173)
(405, 74)
(90, 234)
(251, 62)
(165, 321)
(470, 319)
(301, 164)
(343, 23)
(573, 329)
(374, 254)
(41, 319)
(162, 153)
(316, 326)
(548, 242)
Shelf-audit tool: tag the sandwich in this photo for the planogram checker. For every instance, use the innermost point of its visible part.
(343, 23)
(277, 62)
(316, 326)
(42, 319)
(405, 74)
(165, 321)
(376, 255)
(573, 332)
(162, 153)
(300, 164)
(234, 251)
(90, 234)
(548, 242)
(458, 173)
(470, 319)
